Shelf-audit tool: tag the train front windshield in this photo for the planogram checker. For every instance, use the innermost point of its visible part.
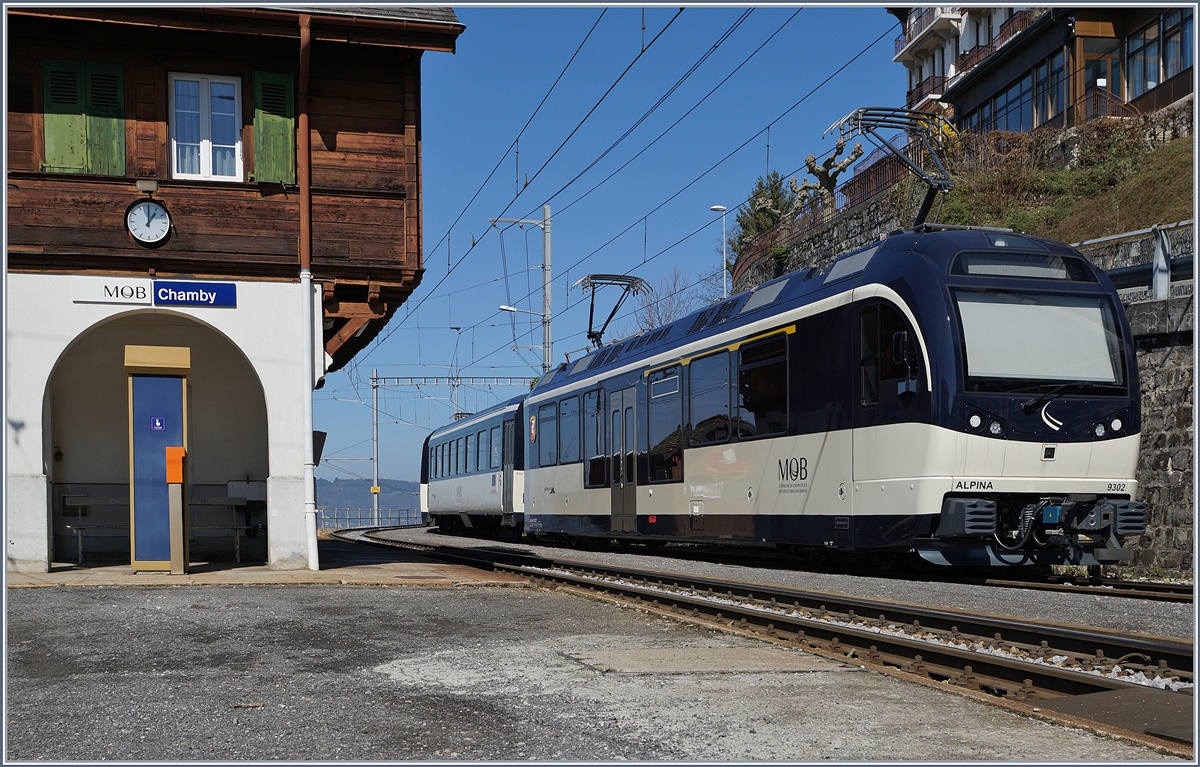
(1015, 340)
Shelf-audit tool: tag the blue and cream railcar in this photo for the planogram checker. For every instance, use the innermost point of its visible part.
(472, 473)
(969, 394)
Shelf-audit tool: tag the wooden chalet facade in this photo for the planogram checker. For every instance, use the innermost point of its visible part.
(228, 198)
(200, 109)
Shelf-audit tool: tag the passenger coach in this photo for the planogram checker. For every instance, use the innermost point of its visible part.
(471, 472)
(970, 394)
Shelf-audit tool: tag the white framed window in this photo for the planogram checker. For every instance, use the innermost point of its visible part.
(206, 127)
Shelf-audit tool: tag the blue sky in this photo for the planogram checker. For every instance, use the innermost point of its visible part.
(629, 184)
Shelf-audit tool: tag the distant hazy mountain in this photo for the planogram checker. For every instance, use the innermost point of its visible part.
(356, 494)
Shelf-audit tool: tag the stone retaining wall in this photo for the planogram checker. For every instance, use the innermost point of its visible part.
(1165, 353)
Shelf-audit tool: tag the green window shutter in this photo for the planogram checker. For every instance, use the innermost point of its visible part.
(64, 123)
(274, 128)
(105, 119)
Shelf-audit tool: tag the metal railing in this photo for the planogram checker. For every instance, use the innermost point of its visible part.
(340, 519)
(918, 23)
(929, 85)
(969, 59)
(1100, 102)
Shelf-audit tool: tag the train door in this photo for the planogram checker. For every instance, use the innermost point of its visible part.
(623, 459)
(507, 461)
(889, 382)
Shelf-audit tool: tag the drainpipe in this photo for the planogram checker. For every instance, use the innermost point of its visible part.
(304, 180)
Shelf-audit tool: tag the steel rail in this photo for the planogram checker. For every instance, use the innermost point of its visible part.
(1106, 587)
(1086, 647)
(1011, 678)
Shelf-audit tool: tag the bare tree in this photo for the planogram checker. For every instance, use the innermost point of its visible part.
(671, 296)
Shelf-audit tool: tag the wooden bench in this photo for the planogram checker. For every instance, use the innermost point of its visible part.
(236, 528)
(82, 501)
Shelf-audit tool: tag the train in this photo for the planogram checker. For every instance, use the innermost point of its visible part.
(965, 394)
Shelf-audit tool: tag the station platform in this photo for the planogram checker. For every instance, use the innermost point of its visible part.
(342, 562)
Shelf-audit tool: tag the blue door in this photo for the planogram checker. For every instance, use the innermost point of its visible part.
(157, 425)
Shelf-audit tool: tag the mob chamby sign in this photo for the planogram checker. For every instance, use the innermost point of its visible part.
(123, 290)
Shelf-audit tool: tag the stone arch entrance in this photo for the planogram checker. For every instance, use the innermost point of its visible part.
(87, 442)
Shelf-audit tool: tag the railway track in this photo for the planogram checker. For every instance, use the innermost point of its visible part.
(1046, 666)
(1111, 587)
(1107, 587)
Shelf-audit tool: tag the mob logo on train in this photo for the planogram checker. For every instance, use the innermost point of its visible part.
(793, 469)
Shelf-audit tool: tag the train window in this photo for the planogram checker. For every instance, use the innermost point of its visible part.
(1044, 266)
(593, 440)
(665, 416)
(481, 443)
(869, 356)
(762, 388)
(1013, 339)
(496, 445)
(470, 453)
(568, 430)
(709, 399)
(433, 462)
(850, 264)
(460, 456)
(547, 434)
(887, 352)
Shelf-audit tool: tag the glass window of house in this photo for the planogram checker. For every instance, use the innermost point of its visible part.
(206, 127)
(1143, 60)
(1178, 41)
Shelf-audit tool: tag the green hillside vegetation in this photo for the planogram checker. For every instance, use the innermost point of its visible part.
(1117, 183)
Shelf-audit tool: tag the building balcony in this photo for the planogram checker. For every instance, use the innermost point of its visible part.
(969, 59)
(929, 87)
(920, 27)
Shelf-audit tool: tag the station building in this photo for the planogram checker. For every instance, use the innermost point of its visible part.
(207, 210)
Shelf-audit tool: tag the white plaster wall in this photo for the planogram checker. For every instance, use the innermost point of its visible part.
(43, 321)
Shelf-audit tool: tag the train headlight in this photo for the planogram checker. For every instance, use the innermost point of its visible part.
(996, 428)
(1117, 424)
(975, 421)
(1100, 430)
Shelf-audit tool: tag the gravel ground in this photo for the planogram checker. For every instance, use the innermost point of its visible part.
(1170, 619)
(479, 673)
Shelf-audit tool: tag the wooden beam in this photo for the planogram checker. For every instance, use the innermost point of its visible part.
(351, 309)
(344, 334)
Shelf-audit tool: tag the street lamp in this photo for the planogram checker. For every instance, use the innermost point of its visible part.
(546, 348)
(724, 263)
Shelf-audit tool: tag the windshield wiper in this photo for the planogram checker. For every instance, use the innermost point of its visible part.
(1030, 404)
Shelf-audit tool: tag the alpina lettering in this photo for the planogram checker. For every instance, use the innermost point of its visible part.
(974, 484)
